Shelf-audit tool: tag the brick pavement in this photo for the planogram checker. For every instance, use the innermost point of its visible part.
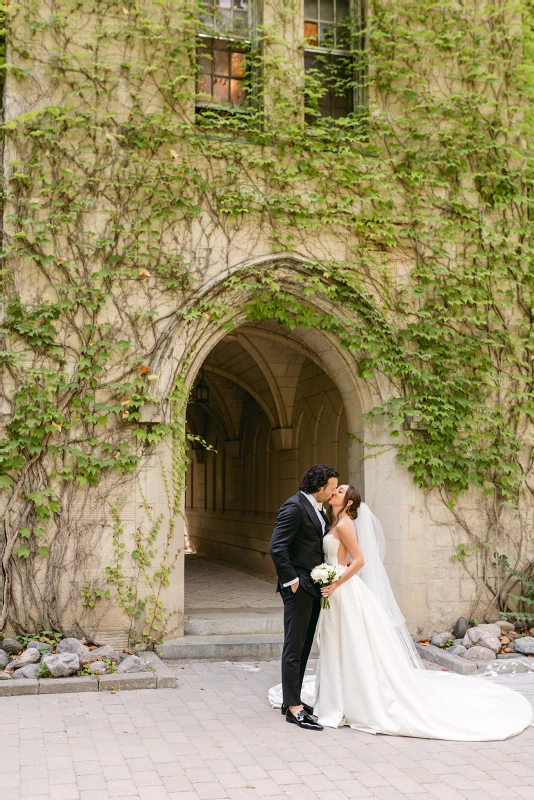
(215, 737)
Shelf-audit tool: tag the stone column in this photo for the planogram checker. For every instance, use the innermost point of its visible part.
(400, 507)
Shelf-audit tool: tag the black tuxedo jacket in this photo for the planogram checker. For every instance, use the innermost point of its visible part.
(297, 543)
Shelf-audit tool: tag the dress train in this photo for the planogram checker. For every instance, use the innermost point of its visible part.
(365, 679)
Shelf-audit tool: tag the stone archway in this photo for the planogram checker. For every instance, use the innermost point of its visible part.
(272, 412)
(194, 340)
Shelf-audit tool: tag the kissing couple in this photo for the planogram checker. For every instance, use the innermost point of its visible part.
(369, 675)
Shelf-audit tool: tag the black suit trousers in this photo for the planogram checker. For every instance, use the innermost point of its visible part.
(301, 612)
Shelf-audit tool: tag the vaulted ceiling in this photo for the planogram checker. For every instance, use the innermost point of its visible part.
(261, 361)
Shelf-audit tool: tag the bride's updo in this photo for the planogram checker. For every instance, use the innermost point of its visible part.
(351, 494)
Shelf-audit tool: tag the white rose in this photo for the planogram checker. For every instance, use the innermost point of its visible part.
(319, 574)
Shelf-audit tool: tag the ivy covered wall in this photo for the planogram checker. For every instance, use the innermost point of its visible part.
(125, 193)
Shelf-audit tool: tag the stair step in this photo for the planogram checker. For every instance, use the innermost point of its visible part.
(232, 647)
(222, 623)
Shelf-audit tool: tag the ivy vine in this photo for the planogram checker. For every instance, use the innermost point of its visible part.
(413, 215)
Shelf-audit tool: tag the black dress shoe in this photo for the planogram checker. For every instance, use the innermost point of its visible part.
(303, 720)
(308, 709)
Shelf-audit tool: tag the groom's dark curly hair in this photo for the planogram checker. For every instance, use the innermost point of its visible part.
(317, 477)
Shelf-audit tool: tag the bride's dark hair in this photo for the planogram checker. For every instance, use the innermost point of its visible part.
(351, 494)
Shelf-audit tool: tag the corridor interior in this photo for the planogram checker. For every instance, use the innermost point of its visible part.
(267, 409)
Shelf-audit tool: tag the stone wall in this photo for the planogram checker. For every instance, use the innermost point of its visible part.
(281, 401)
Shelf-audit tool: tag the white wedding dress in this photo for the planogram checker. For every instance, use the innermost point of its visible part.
(366, 678)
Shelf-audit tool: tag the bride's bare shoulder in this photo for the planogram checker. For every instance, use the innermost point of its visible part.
(346, 526)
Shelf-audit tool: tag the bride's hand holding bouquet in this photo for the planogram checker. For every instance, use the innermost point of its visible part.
(325, 575)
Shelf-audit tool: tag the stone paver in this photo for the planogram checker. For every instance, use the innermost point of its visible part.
(205, 579)
(216, 738)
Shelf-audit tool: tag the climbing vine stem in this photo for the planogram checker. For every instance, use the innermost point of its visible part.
(411, 218)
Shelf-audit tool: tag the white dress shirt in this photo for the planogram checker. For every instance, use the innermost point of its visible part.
(318, 508)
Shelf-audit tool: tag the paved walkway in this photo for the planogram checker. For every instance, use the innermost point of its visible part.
(215, 738)
(213, 586)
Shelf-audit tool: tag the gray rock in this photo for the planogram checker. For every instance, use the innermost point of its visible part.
(525, 645)
(461, 627)
(30, 656)
(62, 665)
(131, 664)
(98, 667)
(104, 652)
(479, 654)
(504, 625)
(459, 641)
(491, 628)
(441, 638)
(517, 656)
(29, 671)
(484, 638)
(12, 647)
(74, 646)
(4, 659)
(5, 676)
(43, 647)
(457, 650)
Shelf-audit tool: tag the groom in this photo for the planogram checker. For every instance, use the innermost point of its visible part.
(296, 548)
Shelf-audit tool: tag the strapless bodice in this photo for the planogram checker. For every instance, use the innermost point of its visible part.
(330, 548)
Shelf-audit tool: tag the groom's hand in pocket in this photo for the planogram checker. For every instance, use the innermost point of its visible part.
(295, 586)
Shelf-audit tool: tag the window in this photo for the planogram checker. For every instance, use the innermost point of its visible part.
(223, 53)
(327, 23)
(334, 74)
(333, 29)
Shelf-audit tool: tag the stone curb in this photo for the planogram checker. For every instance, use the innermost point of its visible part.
(118, 681)
(20, 687)
(443, 659)
(165, 677)
(161, 678)
(67, 685)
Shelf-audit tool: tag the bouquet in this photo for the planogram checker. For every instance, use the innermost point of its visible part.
(325, 575)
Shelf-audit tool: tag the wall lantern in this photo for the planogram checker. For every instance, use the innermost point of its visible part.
(202, 391)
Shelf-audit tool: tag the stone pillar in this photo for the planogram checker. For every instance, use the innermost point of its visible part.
(155, 483)
(400, 507)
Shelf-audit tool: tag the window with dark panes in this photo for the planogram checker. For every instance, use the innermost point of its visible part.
(333, 30)
(223, 51)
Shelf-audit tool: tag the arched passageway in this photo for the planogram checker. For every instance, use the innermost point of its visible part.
(272, 412)
(279, 400)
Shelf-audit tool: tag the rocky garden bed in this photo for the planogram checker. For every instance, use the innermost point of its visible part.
(43, 663)
(481, 646)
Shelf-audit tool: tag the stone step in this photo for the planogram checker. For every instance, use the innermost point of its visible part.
(221, 623)
(232, 647)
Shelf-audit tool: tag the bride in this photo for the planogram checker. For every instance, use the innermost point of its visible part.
(369, 675)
